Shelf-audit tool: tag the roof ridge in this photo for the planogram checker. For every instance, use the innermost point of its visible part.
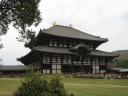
(63, 26)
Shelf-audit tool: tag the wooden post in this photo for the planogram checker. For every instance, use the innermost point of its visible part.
(61, 63)
(72, 64)
(91, 59)
(42, 62)
(50, 63)
(106, 63)
(82, 67)
(94, 65)
(99, 65)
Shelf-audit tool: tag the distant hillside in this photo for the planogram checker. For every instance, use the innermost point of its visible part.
(123, 54)
(122, 60)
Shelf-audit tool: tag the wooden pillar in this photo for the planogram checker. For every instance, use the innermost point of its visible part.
(50, 63)
(56, 61)
(99, 65)
(86, 59)
(106, 63)
(72, 58)
(42, 62)
(82, 67)
(91, 59)
(61, 63)
(95, 64)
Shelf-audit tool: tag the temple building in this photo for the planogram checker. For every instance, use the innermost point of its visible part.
(63, 49)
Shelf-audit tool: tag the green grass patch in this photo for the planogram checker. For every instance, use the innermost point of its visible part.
(77, 86)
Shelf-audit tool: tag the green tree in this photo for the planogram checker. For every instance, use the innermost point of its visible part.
(21, 14)
(123, 63)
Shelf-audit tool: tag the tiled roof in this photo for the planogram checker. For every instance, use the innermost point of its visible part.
(41, 49)
(53, 50)
(103, 53)
(67, 51)
(65, 31)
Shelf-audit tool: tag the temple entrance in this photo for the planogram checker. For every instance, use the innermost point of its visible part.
(46, 68)
(56, 68)
(56, 63)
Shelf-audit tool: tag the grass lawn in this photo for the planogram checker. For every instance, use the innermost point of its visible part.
(78, 86)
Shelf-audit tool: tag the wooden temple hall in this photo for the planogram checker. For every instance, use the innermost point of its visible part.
(63, 49)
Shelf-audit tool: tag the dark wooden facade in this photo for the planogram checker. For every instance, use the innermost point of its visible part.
(56, 63)
(57, 52)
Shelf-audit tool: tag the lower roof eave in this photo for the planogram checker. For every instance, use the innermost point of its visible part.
(45, 49)
(103, 55)
(100, 53)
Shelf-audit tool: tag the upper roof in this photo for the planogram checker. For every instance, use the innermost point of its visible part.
(65, 31)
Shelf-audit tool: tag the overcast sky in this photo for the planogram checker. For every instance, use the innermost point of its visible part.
(104, 18)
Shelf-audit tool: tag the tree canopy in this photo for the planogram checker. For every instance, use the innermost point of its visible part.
(122, 60)
(21, 14)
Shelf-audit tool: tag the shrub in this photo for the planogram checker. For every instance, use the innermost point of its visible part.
(33, 85)
(57, 87)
